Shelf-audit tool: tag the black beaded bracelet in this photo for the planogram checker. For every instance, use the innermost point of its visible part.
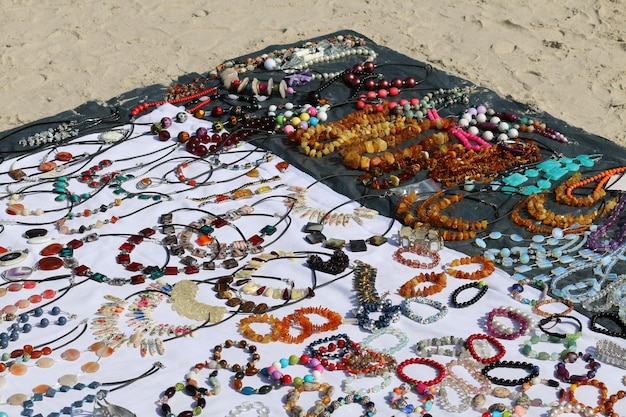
(612, 317)
(531, 368)
(556, 318)
(480, 285)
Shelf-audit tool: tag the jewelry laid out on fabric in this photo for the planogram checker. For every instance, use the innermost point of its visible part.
(191, 388)
(501, 351)
(460, 392)
(488, 123)
(275, 373)
(346, 384)
(410, 288)
(300, 205)
(261, 409)
(604, 392)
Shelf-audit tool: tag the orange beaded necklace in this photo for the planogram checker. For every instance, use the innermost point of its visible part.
(565, 190)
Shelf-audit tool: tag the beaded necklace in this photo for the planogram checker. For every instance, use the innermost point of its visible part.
(99, 399)
(301, 56)
(504, 124)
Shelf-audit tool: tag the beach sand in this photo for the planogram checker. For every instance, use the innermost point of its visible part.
(564, 58)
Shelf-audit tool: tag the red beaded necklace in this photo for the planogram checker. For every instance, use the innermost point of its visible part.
(145, 106)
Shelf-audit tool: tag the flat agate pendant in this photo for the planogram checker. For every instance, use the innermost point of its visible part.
(17, 273)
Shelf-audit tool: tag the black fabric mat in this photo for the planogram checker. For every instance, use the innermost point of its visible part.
(344, 180)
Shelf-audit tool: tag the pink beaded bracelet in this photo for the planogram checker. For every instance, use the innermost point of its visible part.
(496, 329)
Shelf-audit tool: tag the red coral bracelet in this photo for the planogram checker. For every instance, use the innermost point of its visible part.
(425, 361)
(494, 342)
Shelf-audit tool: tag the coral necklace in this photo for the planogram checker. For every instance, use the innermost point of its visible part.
(600, 179)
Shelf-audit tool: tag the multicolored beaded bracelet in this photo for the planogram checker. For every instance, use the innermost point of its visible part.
(398, 398)
(563, 375)
(604, 393)
(365, 401)
(274, 371)
(325, 391)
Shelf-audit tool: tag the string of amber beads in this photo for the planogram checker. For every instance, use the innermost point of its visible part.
(249, 333)
(604, 393)
(609, 404)
(409, 289)
(487, 267)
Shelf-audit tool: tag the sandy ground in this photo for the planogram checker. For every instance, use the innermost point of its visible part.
(565, 58)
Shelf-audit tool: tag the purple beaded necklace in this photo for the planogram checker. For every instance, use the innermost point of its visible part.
(595, 243)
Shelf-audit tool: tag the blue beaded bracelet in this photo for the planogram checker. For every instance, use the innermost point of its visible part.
(443, 310)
